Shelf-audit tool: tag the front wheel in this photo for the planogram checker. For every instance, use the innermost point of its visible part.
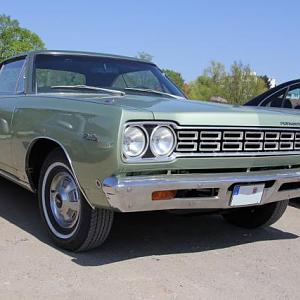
(256, 216)
(71, 222)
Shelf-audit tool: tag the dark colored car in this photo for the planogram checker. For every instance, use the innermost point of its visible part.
(285, 95)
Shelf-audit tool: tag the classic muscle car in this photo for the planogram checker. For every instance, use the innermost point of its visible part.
(97, 134)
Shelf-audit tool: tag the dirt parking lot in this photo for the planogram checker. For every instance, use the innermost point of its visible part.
(149, 256)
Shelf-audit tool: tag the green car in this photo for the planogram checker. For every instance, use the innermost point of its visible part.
(96, 134)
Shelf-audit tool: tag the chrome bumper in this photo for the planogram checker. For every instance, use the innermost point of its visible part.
(134, 193)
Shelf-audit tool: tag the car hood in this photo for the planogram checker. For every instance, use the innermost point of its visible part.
(194, 112)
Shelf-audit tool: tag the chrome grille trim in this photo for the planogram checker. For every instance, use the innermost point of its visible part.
(230, 135)
(272, 135)
(187, 135)
(232, 146)
(287, 136)
(286, 145)
(254, 135)
(180, 146)
(206, 146)
(237, 141)
(271, 146)
(250, 146)
(210, 135)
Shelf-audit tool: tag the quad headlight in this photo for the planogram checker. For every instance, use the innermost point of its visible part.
(162, 141)
(148, 141)
(134, 141)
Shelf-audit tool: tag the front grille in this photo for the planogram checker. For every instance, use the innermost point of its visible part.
(234, 141)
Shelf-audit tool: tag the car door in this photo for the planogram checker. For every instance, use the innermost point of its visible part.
(11, 88)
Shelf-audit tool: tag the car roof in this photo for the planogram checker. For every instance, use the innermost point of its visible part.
(80, 53)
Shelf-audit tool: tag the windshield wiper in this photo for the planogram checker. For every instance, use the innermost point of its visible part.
(150, 91)
(88, 87)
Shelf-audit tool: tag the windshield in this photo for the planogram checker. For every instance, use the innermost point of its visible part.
(92, 74)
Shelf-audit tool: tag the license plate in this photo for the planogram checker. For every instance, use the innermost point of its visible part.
(247, 194)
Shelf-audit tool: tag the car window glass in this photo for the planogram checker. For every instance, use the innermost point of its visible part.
(292, 99)
(139, 79)
(45, 78)
(275, 100)
(9, 75)
(21, 82)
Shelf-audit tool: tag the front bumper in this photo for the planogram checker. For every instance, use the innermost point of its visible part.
(134, 193)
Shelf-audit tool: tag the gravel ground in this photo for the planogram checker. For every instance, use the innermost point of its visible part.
(149, 256)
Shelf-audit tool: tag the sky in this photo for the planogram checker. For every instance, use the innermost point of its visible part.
(181, 35)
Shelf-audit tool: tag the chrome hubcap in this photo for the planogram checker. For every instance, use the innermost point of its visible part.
(64, 200)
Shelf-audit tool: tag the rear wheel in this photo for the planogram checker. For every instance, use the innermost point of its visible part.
(256, 216)
(71, 222)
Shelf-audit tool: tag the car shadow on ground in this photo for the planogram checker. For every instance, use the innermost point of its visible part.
(295, 202)
(137, 235)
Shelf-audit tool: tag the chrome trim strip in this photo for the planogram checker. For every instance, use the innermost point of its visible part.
(16, 180)
(233, 154)
(68, 159)
(124, 193)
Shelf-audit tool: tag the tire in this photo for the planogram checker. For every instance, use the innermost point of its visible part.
(70, 221)
(256, 216)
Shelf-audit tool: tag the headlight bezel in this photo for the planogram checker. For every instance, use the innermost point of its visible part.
(147, 156)
(146, 145)
(151, 144)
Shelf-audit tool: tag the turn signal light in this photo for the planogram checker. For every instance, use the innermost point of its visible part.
(163, 195)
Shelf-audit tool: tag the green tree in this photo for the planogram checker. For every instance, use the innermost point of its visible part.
(267, 80)
(242, 84)
(15, 39)
(237, 86)
(210, 84)
(176, 77)
(145, 56)
(216, 71)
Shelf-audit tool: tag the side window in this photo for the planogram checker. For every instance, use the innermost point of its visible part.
(21, 82)
(292, 99)
(275, 100)
(9, 76)
(47, 78)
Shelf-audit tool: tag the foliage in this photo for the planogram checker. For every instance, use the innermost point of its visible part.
(14, 39)
(267, 81)
(176, 77)
(237, 86)
(145, 56)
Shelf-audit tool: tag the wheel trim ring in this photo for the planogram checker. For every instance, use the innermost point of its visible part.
(44, 207)
(63, 192)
